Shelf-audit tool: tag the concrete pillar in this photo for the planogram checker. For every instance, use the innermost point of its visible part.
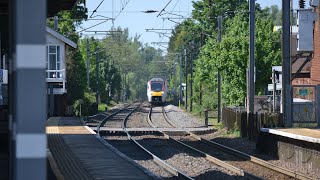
(28, 91)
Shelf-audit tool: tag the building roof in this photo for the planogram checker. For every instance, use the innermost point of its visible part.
(61, 37)
(54, 6)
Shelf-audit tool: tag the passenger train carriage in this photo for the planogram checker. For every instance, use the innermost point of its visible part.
(157, 91)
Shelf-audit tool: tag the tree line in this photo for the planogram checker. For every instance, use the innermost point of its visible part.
(124, 63)
(198, 36)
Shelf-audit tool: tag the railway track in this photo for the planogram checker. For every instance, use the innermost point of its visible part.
(230, 158)
(133, 149)
(173, 156)
(95, 120)
(156, 118)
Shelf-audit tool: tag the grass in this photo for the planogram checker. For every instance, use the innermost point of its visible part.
(102, 106)
(213, 121)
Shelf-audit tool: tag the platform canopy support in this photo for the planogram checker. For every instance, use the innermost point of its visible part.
(27, 88)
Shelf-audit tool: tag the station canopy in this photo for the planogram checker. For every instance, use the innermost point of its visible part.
(53, 6)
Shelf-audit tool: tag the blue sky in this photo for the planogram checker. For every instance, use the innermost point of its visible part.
(137, 22)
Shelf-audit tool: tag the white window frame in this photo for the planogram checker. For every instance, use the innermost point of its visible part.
(58, 63)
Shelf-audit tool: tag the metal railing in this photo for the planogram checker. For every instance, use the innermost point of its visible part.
(53, 76)
(56, 74)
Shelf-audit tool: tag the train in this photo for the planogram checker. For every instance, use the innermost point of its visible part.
(157, 91)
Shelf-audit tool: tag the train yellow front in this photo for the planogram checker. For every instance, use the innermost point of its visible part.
(157, 91)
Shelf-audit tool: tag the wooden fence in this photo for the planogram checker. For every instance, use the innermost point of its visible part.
(237, 119)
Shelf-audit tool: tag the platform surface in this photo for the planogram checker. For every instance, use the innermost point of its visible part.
(79, 154)
(304, 134)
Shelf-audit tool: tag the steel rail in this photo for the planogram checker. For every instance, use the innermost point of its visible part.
(165, 117)
(253, 159)
(97, 115)
(156, 159)
(246, 156)
(103, 122)
(210, 158)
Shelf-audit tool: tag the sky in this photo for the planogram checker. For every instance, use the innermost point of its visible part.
(137, 22)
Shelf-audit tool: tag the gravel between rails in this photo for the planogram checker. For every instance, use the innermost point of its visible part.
(249, 147)
(138, 119)
(184, 159)
(117, 120)
(182, 119)
(134, 152)
(95, 121)
(245, 165)
(158, 119)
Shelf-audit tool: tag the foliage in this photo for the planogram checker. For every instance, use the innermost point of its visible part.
(122, 60)
(87, 107)
(230, 57)
(75, 66)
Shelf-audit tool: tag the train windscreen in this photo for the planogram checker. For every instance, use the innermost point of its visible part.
(156, 86)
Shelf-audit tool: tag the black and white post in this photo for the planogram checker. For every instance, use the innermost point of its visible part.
(28, 89)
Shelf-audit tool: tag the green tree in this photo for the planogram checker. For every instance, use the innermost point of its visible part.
(75, 66)
(231, 57)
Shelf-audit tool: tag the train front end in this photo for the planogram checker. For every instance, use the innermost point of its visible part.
(157, 91)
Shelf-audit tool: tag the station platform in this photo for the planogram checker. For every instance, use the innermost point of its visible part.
(76, 152)
(297, 145)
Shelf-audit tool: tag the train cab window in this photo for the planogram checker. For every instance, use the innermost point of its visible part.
(156, 86)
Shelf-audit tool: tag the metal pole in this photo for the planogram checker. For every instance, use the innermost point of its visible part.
(286, 64)
(250, 93)
(318, 104)
(97, 76)
(251, 60)
(219, 77)
(219, 28)
(27, 89)
(191, 81)
(274, 91)
(88, 63)
(51, 100)
(175, 79)
(55, 23)
(180, 90)
(186, 64)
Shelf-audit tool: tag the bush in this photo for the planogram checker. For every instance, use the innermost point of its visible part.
(88, 107)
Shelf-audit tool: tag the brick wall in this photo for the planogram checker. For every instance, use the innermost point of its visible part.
(300, 81)
(315, 62)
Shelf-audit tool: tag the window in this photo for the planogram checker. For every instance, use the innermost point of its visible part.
(156, 86)
(53, 61)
